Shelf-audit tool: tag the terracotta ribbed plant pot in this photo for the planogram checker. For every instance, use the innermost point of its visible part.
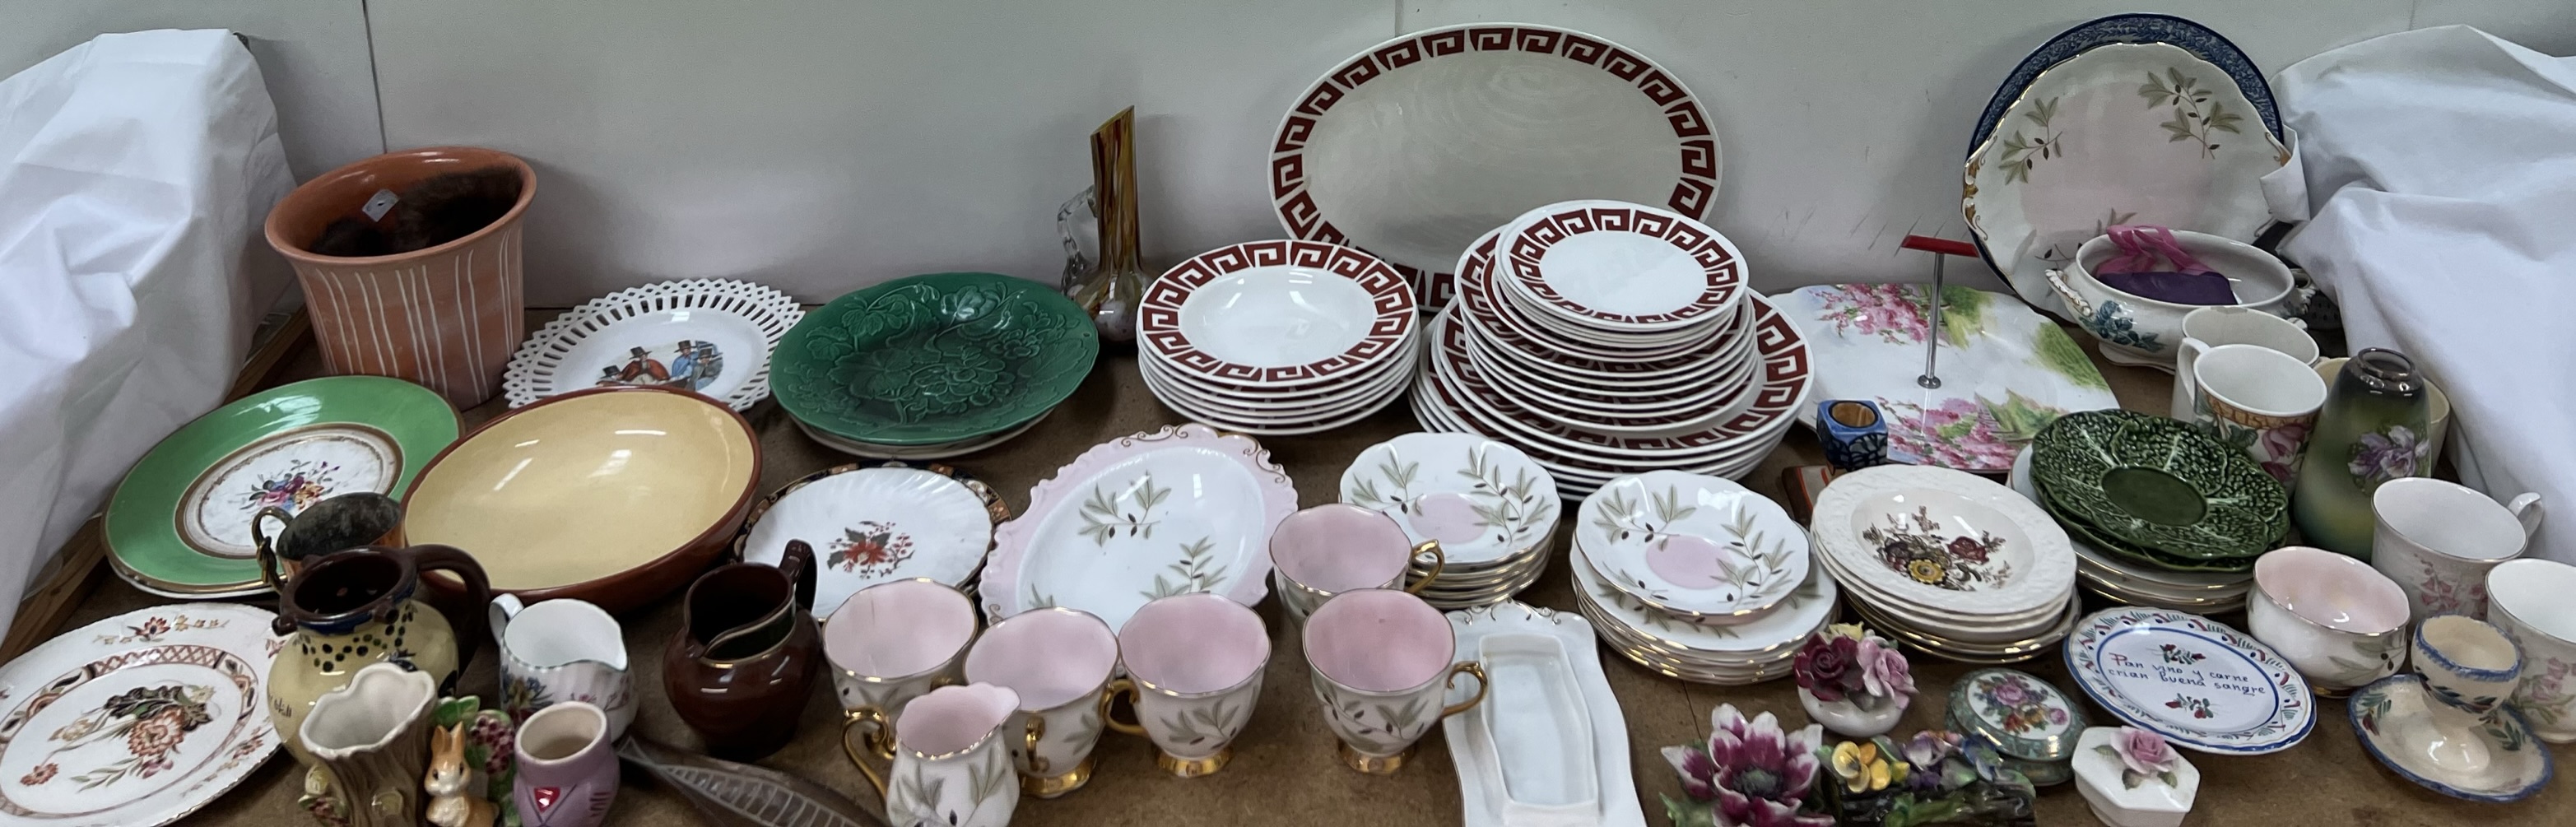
(446, 317)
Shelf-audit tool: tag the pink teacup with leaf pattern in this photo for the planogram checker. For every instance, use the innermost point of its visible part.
(1330, 549)
(1194, 663)
(1382, 662)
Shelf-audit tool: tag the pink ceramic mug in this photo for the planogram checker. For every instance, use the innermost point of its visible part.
(1330, 549)
(567, 769)
(1382, 663)
(1194, 665)
(888, 644)
(1058, 660)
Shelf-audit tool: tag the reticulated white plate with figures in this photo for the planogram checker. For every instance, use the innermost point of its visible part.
(2006, 372)
(712, 336)
(1549, 741)
(136, 720)
(2193, 680)
(1414, 147)
(877, 522)
(1692, 545)
(1483, 500)
(1184, 509)
(2123, 133)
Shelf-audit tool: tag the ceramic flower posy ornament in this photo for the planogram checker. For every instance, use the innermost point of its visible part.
(1935, 777)
(1751, 774)
(2143, 755)
(1854, 682)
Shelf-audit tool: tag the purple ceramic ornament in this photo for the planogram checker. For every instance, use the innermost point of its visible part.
(567, 775)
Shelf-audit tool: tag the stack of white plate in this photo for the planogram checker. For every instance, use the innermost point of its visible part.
(1492, 510)
(1278, 337)
(2125, 581)
(1697, 577)
(1948, 562)
(1608, 339)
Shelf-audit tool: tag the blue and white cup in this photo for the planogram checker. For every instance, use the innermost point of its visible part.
(2467, 662)
(1853, 431)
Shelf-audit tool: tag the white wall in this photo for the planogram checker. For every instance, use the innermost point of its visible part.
(820, 145)
(312, 53)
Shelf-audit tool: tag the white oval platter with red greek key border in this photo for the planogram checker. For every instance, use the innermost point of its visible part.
(1276, 313)
(1413, 148)
(136, 720)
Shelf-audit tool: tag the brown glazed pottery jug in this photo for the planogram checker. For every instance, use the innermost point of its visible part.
(744, 662)
(348, 609)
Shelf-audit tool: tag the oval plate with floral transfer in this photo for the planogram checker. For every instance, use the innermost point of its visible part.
(2123, 133)
(1483, 500)
(1184, 509)
(1950, 542)
(2005, 371)
(1692, 545)
(136, 720)
(712, 336)
(2193, 680)
(179, 525)
(931, 359)
(874, 522)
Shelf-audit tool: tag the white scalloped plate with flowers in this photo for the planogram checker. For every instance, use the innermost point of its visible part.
(136, 720)
(1183, 509)
(711, 336)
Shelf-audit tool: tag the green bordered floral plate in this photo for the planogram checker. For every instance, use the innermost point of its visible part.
(931, 359)
(2159, 484)
(179, 525)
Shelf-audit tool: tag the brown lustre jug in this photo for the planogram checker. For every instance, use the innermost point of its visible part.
(345, 610)
(744, 662)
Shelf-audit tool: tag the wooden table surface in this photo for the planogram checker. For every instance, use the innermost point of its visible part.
(1284, 771)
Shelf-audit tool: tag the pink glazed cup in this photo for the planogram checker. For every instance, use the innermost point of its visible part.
(888, 644)
(1330, 549)
(567, 771)
(2341, 623)
(1194, 664)
(1058, 660)
(1382, 664)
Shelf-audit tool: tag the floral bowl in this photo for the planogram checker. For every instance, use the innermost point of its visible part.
(2158, 483)
(2136, 330)
(933, 359)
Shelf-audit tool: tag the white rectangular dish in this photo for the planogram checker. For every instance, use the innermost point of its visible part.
(1515, 764)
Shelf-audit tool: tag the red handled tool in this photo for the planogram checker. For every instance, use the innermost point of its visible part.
(1941, 249)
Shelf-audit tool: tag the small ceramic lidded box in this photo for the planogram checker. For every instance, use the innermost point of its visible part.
(2132, 779)
(2031, 724)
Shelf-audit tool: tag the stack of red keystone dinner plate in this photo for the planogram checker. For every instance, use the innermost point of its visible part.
(1278, 337)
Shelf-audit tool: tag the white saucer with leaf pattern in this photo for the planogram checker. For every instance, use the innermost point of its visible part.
(1485, 501)
(1692, 545)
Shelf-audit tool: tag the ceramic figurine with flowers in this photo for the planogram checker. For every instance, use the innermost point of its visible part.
(1853, 681)
(1933, 778)
(1750, 774)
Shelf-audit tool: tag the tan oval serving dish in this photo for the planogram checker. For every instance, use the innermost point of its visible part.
(612, 495)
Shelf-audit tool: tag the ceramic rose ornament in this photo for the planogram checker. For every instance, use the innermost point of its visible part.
(1751, 774)
(1852, 681)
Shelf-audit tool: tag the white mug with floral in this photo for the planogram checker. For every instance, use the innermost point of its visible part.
(2530, 602)
(2438, 539)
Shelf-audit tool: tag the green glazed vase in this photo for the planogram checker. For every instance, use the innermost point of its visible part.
(2372, 429)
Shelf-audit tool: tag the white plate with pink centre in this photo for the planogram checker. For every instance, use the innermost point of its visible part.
(1483, 500)
(136, 720)
(1691, 544)
(1180, 510)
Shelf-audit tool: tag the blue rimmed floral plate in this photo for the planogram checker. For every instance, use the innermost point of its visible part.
(2195, 681)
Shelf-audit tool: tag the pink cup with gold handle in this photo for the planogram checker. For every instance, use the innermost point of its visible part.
(1059, 661)
(1194, 665)
(1329, 549)
(888, 644)
(1382, 662)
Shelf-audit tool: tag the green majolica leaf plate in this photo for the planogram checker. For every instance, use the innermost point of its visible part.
(179, 525)
(931, 359)
(2088, 535)
(2159, 484)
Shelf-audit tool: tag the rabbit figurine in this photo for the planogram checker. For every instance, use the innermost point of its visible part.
(454, 800)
